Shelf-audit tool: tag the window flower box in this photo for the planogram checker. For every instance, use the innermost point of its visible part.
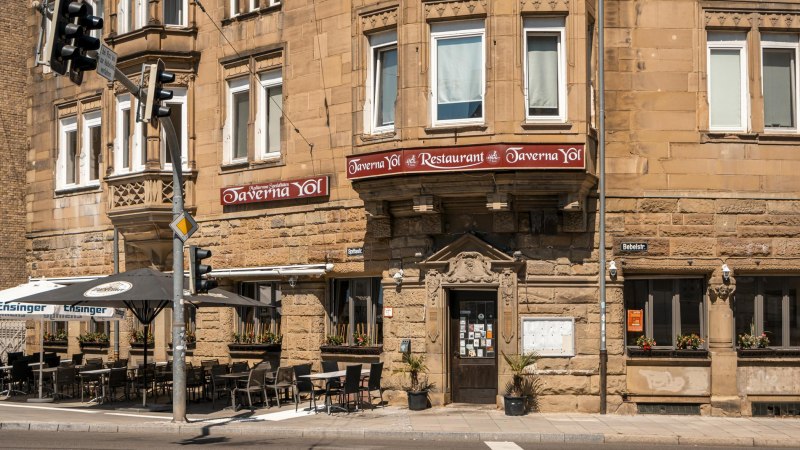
(755, 352)
(691, 353)
(56, 343)
(352, 349)
(235, 347)
(94, 345)
(140, 345)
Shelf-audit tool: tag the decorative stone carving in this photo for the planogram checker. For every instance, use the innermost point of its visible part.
(722, 293)
(470, 267)
(379, 19)
(433, 281)
(507, 286)
(437, 10)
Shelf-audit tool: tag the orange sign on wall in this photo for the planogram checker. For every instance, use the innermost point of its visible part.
(635, 320)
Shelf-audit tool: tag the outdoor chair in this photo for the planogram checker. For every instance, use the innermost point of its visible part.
(195, 380)
(52, 360)
(117, 378)
(303, 385)
(21, 376)
(65, 378)
(352, 386)
(207, 364)
(218, 386)
(282, 382)
(374, 383)
(77, 359)
(255, 385)
(13, 356)
(163, 378)
(89, 381)
(332, 366)
(120, 364)
(95, 362)
(238, 367)
(143, 372)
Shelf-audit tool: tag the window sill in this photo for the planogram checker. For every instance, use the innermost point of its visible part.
(265, 163)
(77, 190)
(250, 14)
(457, 128)
(548, 127)
(378, 137)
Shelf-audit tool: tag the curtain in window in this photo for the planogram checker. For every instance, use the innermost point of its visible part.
(779, 87)
(543, 75)
(725, 84)
(387, 86)
(241, 115)
(458, 81)
(274, 105)
(173, 12)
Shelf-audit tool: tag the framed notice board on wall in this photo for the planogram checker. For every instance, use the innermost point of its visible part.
(548, 336)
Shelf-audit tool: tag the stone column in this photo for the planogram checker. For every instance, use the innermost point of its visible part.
(724, 392)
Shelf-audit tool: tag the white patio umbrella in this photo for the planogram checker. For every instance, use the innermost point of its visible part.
(11, 310)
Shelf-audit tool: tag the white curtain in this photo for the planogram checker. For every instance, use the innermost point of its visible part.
(725, 84)
(241, 115)
(779, 90)
(543, 72)
(387, 83)
(459, 69)
(274, 105)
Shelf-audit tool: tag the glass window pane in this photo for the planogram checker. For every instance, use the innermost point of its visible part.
(173, 12)
(241, 115)
(176, 117)
(725, 85)
(144, 144)
(773, 311)
(794, 313)
(744, 305)
(543, 75)
(459, 78)
(71, 153)
(662, 312)
(94, 149)
(779, 87)
(125, 139)
(691, 306)
(274, 106)
(360, 296)
(386, 85)
(635, 295)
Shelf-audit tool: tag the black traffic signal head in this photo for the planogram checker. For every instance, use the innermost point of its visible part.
(69, 39)
(197, 284)
(156, 92)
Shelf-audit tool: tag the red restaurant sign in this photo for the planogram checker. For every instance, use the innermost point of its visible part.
(478, 157)
(278, 190)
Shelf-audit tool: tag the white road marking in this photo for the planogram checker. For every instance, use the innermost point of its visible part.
(496, 445)
(139, 415)
(282, 415)
(49, 408)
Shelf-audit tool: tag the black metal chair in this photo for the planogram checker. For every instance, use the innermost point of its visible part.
(332, 366)
(52, 360)
(281, 382)
(374, 383)
(303, 385)
(65, 378)
(195, 381)
(13, 356)
(89, 381)
(77, 359)
(255, 384)
(120, 364)
(238, 367)
(117, 378)
(352, 386)
(217, 385)
(21, 376)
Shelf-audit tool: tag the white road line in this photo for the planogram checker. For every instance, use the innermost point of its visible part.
(282, 415)
(495, 445)
(50, 408)
(139, 415)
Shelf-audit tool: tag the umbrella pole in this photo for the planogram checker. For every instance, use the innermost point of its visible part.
(144, 384)
(41, 365)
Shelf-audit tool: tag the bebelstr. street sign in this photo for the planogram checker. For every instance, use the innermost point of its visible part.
(106, 62)
(184, 226)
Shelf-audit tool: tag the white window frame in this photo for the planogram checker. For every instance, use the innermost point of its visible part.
(767, 43)
(378, 42)
(124, 104)
(139, 15)
(267, 80)
(184, 14)
(253, 4)
(66, 125)
(449, 30)
(179, 100)
(274, 2)
(234, 86)
(89, 120)
(739, 43)
(547, 26)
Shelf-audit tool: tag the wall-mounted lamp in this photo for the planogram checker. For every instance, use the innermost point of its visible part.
(292, 281)
(726, 272)
(612, 269)
(398, 276)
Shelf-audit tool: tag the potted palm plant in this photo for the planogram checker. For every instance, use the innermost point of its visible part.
(418, 389)
(519, 391)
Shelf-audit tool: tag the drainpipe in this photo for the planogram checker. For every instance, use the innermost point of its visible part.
(602, 188)
(116, 270)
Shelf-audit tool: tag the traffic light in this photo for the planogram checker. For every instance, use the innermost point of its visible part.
(197, 284)
(156, 92)
(69, 38)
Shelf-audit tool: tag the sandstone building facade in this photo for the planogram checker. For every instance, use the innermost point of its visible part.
(424, 173)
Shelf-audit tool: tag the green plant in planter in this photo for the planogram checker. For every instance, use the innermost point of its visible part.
(688, 341)
(138, 337)
(418, 389)
(58, 336)
(334, 340)
(521, 391)
(93, 338)
(360, 339)
(191, 337)
(645, 343)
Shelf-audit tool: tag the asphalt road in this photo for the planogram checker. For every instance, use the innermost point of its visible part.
(121, 441)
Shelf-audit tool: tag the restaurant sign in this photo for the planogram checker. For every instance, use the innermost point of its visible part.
(277, 190)
(478, 157)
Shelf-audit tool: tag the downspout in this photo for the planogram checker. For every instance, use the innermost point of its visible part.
(116, 270)
(602, 188)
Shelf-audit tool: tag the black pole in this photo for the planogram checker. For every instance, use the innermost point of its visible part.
(144, 384)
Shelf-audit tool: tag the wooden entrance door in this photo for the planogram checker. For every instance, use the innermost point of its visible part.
(473, 346)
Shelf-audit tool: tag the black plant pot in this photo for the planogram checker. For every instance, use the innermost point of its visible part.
(417, 400)
(515, 406)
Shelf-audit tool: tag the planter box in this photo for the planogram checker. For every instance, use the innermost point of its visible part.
(254, 348)
(55, 344)
(755, 352)
(667, 353)
(94, 345)
(690, 353)
(140, 345)
(352, 349)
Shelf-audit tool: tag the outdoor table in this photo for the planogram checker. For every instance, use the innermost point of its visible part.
(328, 376)
(103, 373)
(232, 378)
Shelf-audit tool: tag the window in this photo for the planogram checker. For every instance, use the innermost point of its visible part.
(727, 81)
(56, 331)
(92, 142)
(357, 308)
(79, 152)
(99, 327)
(243, 6)
(274, 2)
(268, 116)
(175, 12)
(671, 307)
(68, 154)
(177, 115)
(381, 83)
(768, 305)
(238, 116)
(132, 15)
(779, 54)
(545, 79)
(457, 75)
(253, 324)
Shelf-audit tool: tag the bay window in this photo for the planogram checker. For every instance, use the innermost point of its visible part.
(457, 72)
(727, 81)
(177, 115)
(768, 305)
(131, 15)
(545, 79)
(130, 141)
(356, 310)
(669, 308)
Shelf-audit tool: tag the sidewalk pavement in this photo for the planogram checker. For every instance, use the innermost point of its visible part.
(451, 423)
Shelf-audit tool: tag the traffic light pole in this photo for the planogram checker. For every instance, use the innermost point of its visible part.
(178, 324)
